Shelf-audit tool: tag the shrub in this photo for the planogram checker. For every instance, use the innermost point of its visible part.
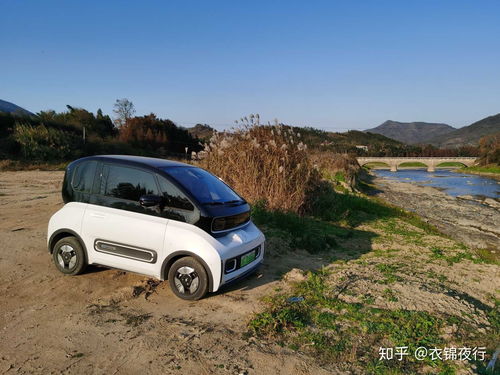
(489, 149)
(264, 163)
(45, 143)
(338, 167)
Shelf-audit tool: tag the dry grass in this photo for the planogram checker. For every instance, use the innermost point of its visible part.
(335, 164)
(263, 163)
(20, 165)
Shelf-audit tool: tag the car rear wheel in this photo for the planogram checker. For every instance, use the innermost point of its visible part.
(68, 256)
(188, 279)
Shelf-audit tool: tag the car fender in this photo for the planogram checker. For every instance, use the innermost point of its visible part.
(186, 239)
(67, 220)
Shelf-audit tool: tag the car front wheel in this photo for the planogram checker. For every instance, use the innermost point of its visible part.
(188, 279)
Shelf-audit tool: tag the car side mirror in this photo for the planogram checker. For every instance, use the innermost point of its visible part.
(150, 200)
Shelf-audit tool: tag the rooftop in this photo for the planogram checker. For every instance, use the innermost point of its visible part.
(152, 162)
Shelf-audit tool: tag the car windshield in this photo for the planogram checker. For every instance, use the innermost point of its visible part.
(205, 187)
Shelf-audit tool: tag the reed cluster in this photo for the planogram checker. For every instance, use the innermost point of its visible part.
(263, 163)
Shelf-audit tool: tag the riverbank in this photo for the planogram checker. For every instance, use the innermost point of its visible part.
(490, 172)
(471, 222)
(491, 169)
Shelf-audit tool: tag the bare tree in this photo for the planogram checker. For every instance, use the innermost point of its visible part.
(123, 109)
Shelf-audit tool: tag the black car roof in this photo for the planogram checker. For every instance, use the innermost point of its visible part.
(139, 160)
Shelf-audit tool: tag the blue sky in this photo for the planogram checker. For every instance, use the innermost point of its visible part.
(330, 64)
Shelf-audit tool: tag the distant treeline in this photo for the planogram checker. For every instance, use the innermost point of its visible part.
(55, 136)
(76, 132)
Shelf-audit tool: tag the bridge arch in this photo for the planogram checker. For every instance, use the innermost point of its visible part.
(379, 163)
(454, 162)
(430, 162)
(412, 164)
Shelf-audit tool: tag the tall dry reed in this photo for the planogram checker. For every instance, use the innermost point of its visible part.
(263, 163)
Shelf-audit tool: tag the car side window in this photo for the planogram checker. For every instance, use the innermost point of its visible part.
(129, 183)
(172, 196)
(176, 205)
(83, 176)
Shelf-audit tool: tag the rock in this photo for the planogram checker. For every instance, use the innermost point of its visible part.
(295, 275)
(491, 202)
(467, 197)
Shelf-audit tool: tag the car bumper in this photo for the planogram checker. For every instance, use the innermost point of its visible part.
(245, 273)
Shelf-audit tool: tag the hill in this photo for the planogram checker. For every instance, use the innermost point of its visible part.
(201, 131)
(13, 109)
(468, 135)
(412, 132)
(349, 141)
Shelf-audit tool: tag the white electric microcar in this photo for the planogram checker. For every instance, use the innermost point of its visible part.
(156, 217)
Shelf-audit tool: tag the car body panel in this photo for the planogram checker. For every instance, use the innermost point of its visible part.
(130, 229)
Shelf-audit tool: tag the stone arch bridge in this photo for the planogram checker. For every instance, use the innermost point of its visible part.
(430, 162)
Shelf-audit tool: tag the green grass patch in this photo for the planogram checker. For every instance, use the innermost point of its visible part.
(389, 272)
(304, 232)
(483, 169)
(414, 164)
(337, 179)
(478, 256)
(440, 277)
(450, 164)
(351, 209)
(339, 176)
(335, 216)
(390, 295)
(385, 253)
(333, 330)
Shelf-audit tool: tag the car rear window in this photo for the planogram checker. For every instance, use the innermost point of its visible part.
(204, 186)
(83, 176)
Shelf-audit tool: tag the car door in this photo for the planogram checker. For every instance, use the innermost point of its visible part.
(120, 232)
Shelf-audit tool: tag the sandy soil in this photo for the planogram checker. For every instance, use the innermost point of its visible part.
(108, 321)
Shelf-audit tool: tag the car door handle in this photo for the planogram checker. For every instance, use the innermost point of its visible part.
(97, 216)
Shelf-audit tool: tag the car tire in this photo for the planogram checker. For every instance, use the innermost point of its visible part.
(69, 257)
(188, 279)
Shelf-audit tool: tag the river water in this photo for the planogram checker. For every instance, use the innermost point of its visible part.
(452, 183)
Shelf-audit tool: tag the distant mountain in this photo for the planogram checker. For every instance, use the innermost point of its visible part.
(412, 132)
(201, 131)
(13, 109)
(468, 135)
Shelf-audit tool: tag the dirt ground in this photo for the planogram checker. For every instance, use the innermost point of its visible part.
(108, 321)
(112, 322)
